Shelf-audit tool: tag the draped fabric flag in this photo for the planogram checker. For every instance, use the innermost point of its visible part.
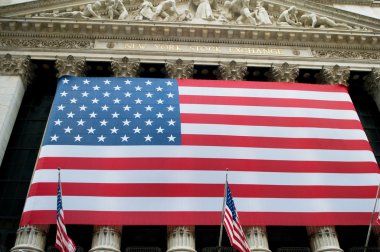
(154, 152)
(231, 223)
(62, 240)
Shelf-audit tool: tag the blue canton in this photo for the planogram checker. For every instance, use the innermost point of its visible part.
(230, 203)
(114, 111)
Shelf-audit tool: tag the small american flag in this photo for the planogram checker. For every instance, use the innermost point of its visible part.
(62, 240)
(231, 223)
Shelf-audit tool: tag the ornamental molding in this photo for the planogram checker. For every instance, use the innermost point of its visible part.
(347, 54)
(45, 43)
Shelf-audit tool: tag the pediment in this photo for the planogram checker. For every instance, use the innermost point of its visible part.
(298, 15)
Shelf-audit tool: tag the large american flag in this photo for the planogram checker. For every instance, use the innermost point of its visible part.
(154, 151)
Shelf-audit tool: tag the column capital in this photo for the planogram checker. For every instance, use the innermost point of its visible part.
(31, 238)
(70, 66)
(284, 72)
(372, 82)
(323, 239)
(125, 67)
(334, 75)
(232, 71)
(179, 69)
(17, 66)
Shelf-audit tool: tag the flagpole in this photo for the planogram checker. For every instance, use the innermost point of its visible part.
(223, 210)
(373, 214)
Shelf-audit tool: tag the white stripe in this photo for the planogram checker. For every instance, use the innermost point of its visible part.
(265, 93)
(269, 131)
(206, 177)
(180, 151)
(268, 111)
(204, 204)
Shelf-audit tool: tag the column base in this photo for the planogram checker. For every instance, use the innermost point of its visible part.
(259, 250)
(329, 249)
(25, 249)
(181, 249)
(104, 249)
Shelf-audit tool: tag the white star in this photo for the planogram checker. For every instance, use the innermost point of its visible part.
(136, 130)
(77, 138)
(58, 122)
(127, 82)
(148, 122)
(169, 83)
(171, 138)
(148, 83)
(82, 108)
(127, 94)
(91, 130)
(96, 88)
(138, 88)
(171, 122)
(103, 123)
(81, 122)
(114, 130)
(148, 108)
(68, 129)
(137, 115)
(101, 138)
(107, 82)
(170, 95)
(159, 115)
(124, 138)
(54, 138)
(117, 100)
(149, 95)
(138, 101)
(86, 82)
(75, 87)
(115, 115)
(160, 101)
(65, 81)
(126, 122)
(160, 130)
(73, 100)
(117, 88)
(61, 107)
(159, 89)
(106, 94)
(85, 94)
(70, 115)
(93, 115)
(94, 101)
(64, 93)
(170, 108)
(105, 108)
(126, 108)
(148, 138)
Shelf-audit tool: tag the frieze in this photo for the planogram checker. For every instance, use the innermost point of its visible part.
(372, 55)
(45, 43)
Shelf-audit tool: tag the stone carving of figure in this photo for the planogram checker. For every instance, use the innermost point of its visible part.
(166, 11)
(316, 21)
(289, 17)
(239, 10)
(146, 10)
(261, 14)
(117, 9)
(90, 11)
(203, 8)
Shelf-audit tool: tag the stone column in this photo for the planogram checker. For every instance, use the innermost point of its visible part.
(283, 72)
(15, 73)
(324, 238)
(257, 238)
(232, 71)
(372, 85)
(180, 238)
(31, 239)
(70, 66)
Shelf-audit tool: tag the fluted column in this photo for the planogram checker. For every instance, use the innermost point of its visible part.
(323, 239)
(284, 72)
(257, 238)
(232, 71)
(106, 238)
(31, 238)
(180, 238)
(372, 85)
(334, 75)
(15, 74)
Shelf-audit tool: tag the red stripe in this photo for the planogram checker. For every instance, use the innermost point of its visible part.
(263, 85)
(205, 164)
(266, 102)
(272, 142)
(271, 121)
(196, 218)
(203, 190)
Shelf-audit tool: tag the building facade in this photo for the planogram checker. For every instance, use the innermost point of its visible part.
(313, 41)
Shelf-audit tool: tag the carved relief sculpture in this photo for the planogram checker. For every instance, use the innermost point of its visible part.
(166, 11)
(261, 14)
(238, 10)
(315, 21)
(116, 9)
(203, 9)
(90, 11)
(289, 17)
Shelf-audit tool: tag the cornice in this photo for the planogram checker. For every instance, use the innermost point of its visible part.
(90, 30)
